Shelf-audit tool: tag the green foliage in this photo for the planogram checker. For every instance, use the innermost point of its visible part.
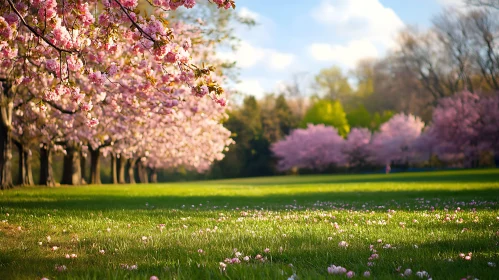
(333, 84)
(359, 117)
(364, 75)
(77, 220)
(329, 113)
(246, 127)
(278, 120)
(255, 127)
(379, 119)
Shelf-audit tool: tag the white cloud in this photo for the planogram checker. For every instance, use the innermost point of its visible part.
(359, 19)
(279, 60)
(346, 55)
(251, 87)
(247, 56)
(280, 86)
(244, 12)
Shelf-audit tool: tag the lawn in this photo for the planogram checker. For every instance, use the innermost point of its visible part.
(444, 223)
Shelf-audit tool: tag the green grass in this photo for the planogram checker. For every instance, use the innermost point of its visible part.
(292, 216)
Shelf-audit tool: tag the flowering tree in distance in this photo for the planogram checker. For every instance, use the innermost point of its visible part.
(316, 147)
(395, 140)
(357, 147)
(465, 125)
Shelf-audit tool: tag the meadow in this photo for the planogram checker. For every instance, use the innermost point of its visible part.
(439, 225)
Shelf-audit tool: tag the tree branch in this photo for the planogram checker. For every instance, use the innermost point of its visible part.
(35, 32)
(62, 110)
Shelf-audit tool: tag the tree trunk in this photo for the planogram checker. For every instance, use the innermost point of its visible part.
(83, 168)
(131, 174)
(154, 175)
(121, 162)
(46, 173)
(29, 169)
(71, 174)
(114, 168)
(25, 174)
(6, 109)
(95, 166)
(142, 172)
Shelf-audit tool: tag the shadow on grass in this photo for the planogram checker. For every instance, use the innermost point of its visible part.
(271, 201)
(457, 176)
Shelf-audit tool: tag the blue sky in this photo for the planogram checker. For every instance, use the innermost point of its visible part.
(301, 37)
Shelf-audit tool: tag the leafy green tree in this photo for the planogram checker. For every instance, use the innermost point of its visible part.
(251, 155)
(359, 117)
(333, 85)
(327, 112)
(364, 77)
(277, 119)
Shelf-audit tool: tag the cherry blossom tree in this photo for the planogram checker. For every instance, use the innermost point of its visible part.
(315, 147)
(395, 140)
(65, 54)
(465, 125)
(357, 148)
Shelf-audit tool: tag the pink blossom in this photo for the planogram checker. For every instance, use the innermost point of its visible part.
(92, 122)
(5, 29)
(52, 65)
(97, 78)
(186, 44)
(343, 244)
(87, 107)
(221, 101)
(12, 19)
(113, 69)
(336, 270)
(60, 268)
(74, 63)
(171, 57)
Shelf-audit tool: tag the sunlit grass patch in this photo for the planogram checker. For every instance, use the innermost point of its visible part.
(262, 228)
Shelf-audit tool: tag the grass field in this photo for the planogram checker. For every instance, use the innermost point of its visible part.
(262, 228)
